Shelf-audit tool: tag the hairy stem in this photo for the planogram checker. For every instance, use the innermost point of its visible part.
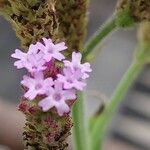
(80, 126)
(102, 121)
(99, 36)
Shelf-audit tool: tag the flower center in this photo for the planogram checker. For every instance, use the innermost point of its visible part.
(76, 68)
(34, 67)
(57, 97)
(50, 50)
(69, 80)
(38, 86)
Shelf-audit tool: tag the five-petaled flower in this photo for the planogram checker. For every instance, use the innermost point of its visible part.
(55, 85)
(37, 85)
(76, 65)
(71, 79)
(52, 50)
(24, 58)
(57, 98)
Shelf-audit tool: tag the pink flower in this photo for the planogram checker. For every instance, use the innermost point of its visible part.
(35, 63)
(74, 73)
(71, 79)
(32, 60)
(52, 50)
(37, 85)
(76, 65)
(57, 98)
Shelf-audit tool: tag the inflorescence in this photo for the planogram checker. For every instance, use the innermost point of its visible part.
(51, 78)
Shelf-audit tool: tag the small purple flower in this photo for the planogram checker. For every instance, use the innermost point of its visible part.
(71, 79)
(57, 98)
(76, 65)
(37, 85)
(35, 63)
(32, 60)
(52, 50)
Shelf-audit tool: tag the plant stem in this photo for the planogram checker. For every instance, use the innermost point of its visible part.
(102, 121)
(80, 127)
(98, 37)
(80, 130)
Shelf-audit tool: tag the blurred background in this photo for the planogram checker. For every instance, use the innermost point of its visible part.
(130, 128)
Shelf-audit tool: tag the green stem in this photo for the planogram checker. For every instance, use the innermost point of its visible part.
(102, 121)
(99, 36)
(80, 128)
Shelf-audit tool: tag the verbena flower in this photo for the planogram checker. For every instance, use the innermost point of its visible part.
(75, 72)
(57, 98)
(52, 50)
(52, 85)
(36, 85)
(72, 79)
(22, 57)
(35, 63)
(77, 66)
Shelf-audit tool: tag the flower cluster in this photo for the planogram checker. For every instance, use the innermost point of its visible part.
(50, 76)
